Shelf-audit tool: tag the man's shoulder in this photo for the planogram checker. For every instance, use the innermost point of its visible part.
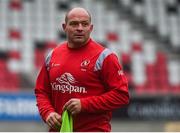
(60, 46)
(101, 49)
(57, 50)
(96, 45)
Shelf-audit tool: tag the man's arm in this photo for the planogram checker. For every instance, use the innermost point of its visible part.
(43, 93)
(117, 94)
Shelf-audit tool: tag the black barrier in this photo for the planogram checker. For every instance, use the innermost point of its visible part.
(151, 108)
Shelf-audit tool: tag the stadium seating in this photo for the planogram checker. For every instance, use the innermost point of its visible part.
(143, 33)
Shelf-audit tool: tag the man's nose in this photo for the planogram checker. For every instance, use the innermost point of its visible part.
(80, 27)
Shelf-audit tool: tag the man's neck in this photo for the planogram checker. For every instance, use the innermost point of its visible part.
(78, 45)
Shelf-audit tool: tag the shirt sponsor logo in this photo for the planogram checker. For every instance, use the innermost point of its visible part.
(120, 72)
(54, 64)
(65, 83)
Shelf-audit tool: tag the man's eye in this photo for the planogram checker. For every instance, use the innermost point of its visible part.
(74, 23)
(85, 24)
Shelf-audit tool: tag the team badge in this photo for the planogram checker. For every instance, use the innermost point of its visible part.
(85, 63)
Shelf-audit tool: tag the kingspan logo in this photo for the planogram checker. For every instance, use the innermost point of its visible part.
(65, 83)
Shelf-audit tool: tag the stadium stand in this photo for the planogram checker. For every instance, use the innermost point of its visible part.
(143, 33)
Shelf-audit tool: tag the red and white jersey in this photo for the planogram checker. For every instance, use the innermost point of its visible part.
(91, 73)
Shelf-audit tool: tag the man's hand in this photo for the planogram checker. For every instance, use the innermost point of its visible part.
(73, 106)
(54, 120)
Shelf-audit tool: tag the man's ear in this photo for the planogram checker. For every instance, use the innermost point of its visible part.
(64, 26)
(91, 27)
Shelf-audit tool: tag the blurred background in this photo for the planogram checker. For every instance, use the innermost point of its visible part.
(145, 34)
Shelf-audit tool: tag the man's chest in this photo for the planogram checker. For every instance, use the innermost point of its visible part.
(73, 67)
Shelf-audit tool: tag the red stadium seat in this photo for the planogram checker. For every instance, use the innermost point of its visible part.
(15, 4)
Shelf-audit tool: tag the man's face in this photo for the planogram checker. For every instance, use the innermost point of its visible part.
(78, 28)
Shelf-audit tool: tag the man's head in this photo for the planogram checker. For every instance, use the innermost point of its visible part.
(77, 27)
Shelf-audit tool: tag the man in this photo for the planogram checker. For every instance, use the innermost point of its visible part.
(81, 76)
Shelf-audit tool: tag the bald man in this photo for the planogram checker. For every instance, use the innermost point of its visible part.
(81, 76)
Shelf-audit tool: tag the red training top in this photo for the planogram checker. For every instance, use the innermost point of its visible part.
(91, 73)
